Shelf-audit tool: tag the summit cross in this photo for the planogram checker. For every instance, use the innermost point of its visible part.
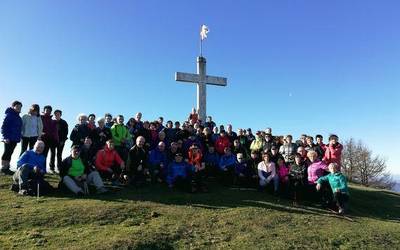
(201, 79)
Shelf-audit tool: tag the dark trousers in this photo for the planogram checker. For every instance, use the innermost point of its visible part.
(8, 150)
(183, 183)
(296, 189)
(226, 176)
(340, 199)
(49, 145)
(56, 151)
(28, 141)
(111, 176)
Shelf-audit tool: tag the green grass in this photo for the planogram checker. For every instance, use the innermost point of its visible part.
(157, 218)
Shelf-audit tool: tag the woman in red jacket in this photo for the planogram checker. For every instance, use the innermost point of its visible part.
(333, 152)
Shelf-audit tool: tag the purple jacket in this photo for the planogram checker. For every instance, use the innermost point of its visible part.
(316, 170)
(50, 132)
(12, 126)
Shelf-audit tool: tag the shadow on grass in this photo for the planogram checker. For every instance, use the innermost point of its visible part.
(377, 204)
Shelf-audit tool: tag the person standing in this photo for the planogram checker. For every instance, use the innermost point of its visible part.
(62, 130)
(50, 133)
(32, 127)
(11, 134)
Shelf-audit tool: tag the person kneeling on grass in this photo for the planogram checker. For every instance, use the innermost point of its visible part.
(227, 167)
(180, 174)
(109, 163)
(31, 169)
(244, 173)
(338, 183)
(76, 174)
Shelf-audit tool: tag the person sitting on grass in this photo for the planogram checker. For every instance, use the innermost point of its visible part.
(109, 163)
(338, 183)
(31, 169)
(76, 174)
(267, 173)
(227, 166)
(180, 174)
(297, 178)
(244, 173)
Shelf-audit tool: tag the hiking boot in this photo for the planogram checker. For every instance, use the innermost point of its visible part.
(116, 183)
(80, 194)
(7, 171)
(102, 190)
(23, 192)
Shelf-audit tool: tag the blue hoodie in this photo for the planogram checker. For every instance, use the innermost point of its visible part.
(12, 126)
(175, 170)
(33, 159)
(227, 160)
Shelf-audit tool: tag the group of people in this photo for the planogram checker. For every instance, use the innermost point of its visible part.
(183, 156)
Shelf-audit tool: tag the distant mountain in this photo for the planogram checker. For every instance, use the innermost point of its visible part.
(396, 178)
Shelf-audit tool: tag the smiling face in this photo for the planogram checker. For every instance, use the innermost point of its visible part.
(38, 147)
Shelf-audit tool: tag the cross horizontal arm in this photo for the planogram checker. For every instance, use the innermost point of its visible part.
(216, 80)
(195, 78)
(187, 77)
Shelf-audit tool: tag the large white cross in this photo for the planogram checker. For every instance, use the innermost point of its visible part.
(202, 79)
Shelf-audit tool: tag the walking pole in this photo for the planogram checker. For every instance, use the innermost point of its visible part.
(38, 192)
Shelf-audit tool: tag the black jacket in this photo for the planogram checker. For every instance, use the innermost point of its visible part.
(62, 128)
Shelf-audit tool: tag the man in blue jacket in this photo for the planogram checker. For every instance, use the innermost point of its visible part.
(11, 134)
(31, 165)
(180, 174)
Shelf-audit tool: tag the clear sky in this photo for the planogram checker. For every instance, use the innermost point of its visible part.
(296, 66)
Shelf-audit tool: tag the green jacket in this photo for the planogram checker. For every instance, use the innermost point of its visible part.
(119, 133)
(337, 181)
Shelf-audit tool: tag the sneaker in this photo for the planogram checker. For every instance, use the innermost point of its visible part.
(102, 190)
(341, 211)
(7, 171)
(23, 192)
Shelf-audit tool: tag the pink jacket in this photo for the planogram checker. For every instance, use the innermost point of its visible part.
(333, 154)
(283, 173)
(316, 170)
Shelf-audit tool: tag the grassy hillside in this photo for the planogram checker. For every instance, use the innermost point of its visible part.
(155, 217)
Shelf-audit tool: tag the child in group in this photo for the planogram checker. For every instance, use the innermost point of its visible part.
(244, 173)
(283, 173)
(338, 183)
(297, 178)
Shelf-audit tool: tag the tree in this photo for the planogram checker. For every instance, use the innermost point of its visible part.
(361, 166)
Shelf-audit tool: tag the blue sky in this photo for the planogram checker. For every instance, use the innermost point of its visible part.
(296, 66)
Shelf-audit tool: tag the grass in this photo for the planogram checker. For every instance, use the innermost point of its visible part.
(157, 218)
